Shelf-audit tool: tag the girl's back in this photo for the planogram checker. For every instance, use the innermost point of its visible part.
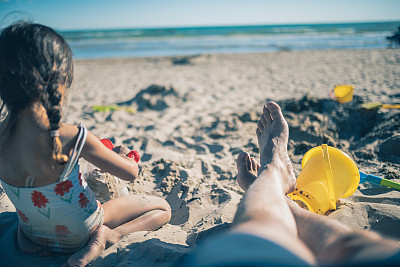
(26, 153)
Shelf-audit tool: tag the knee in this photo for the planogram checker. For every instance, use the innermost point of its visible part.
(166, 210)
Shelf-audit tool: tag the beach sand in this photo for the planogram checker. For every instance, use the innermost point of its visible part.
(194, 115)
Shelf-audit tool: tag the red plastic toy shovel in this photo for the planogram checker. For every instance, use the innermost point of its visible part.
(134, 155)
(107, 143)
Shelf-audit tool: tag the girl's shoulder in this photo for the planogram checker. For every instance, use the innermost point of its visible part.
(68, 136)
(68, 131)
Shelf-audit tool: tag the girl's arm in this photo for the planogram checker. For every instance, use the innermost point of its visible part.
(109, 161)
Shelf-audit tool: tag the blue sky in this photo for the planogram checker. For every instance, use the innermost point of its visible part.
(98, 14)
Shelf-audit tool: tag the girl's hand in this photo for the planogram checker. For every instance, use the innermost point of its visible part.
(124, 151)
(121, 150)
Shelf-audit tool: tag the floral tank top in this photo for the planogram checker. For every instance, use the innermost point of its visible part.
(63, 215)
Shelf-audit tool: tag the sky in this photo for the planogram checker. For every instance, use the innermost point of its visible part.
(104, 14)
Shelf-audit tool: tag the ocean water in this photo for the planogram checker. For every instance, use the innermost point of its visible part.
(231, 39)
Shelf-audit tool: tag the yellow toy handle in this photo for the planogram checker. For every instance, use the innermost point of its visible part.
(390, 106)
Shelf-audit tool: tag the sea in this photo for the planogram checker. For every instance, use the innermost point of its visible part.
(188, 41)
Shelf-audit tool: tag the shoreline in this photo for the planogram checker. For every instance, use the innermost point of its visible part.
(280, 50)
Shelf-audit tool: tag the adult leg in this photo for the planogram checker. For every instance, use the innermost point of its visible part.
(334, 243)
(264, 211)
(330, 241)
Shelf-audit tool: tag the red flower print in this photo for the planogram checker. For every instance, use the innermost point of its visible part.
(63, 187)
(83, 200)
(62, 230)
(22, 216)
(39, 199)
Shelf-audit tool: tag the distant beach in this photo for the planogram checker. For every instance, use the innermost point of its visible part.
(155, 42)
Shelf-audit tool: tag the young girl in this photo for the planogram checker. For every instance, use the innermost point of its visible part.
(39, 155)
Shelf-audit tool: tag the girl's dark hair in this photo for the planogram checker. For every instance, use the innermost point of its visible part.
(34, 61)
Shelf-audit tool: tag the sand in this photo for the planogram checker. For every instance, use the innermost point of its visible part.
(194, 115)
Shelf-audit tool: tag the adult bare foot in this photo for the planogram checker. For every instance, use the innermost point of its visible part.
(28, 246)
(94, 248)
(247, 170)
(273, 134)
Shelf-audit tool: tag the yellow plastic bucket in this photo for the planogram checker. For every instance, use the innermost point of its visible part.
(342, 93)
(327, 175)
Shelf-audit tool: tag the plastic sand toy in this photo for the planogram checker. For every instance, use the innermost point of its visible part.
(378, 105)
(99, 108)
(378, 181)
(327, 175)
(342, 93)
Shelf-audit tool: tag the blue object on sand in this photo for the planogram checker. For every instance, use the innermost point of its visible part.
(378, 181)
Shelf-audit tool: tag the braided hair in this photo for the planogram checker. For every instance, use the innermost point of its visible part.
(34, 62)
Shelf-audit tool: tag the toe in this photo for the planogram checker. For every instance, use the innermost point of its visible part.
(253, 164)
(260, 125)
(242, 159)
(262, 120)
(266, 115)
(275, 111)
(258, 132)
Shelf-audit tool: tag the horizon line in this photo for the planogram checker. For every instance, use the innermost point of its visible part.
(226, 25)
